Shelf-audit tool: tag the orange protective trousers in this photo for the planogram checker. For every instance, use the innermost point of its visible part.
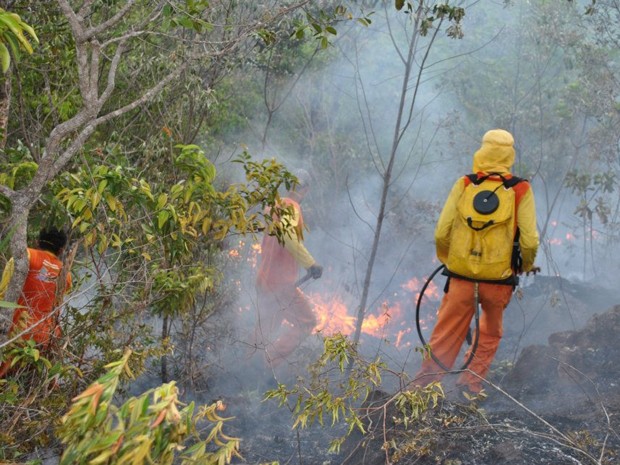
(453, 321)
(279, 337)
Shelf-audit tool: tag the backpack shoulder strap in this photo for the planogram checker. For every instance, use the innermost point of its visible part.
(470, 179)
(508, 183)
(513, 181)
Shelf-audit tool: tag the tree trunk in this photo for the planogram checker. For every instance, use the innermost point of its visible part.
(17, 228)
(5, 106)
(164, 360)
(399, 128)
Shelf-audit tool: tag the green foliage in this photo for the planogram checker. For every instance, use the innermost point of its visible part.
(588, 187)
(152, 427)
(177, 215)
(46, 94)
(17, 171)
(319, 25)
(435, 13)
(32, 385)
(329, 394)
(188, 16)
(412, 404)
(27, 353)
(169, 229)
(12, 37)
(177, 291)
(17, 175)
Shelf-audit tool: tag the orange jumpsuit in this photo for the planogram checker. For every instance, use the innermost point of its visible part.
(278, 298)
(38, 298)
(38, 301)
(496, 155)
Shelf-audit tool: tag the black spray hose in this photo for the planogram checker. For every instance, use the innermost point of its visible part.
(474, 346)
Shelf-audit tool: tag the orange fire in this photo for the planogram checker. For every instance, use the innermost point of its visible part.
(233, 253)
(251, 255)
(415, 285)
(393, 319)
(568, 237)
(390, 319)
(332, 316)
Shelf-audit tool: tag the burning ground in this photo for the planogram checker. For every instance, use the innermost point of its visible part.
(554, 403)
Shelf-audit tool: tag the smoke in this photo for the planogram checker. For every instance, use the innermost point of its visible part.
(343, 116)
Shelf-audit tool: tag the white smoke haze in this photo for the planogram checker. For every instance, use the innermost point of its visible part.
(344, 114)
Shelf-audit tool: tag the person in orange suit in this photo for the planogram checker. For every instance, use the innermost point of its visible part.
(496, 155)
(279, 299)
(37, 318)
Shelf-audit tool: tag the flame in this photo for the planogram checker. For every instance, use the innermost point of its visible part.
(389, 319)
(251, 255)
(255, 252)
(332, 316)
(592, 234)
(235, 252)
(375, 325)
(415, 285)
(400, 335)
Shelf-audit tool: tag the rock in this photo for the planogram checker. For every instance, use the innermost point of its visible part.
(575, 363)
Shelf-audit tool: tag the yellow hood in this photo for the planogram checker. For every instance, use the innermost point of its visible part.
(496, 154)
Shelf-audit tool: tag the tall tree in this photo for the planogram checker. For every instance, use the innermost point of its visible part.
(426, 21)
(104, 37)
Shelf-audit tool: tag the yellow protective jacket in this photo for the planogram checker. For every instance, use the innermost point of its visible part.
(496, 155)
(280, 262)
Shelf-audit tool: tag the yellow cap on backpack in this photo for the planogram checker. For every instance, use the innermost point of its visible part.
(496, 154)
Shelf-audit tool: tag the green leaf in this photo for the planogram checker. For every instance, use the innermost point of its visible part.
(5, 57)
(30, 31)
(16, 29)
(161, 201)
(399, 4)
(162, 217)
(102, 185)
(5, 304)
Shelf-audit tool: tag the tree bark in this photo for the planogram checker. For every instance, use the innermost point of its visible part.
(5, 106)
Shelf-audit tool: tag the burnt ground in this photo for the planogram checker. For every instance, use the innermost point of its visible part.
(552, 398)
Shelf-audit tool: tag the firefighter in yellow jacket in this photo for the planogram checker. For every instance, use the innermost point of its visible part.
(495, 279)
(279, 299)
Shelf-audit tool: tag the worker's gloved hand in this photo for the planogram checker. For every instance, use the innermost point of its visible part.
(316, 271)
(533, 270)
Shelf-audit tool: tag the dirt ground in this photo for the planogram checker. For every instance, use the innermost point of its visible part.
(553, 398)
